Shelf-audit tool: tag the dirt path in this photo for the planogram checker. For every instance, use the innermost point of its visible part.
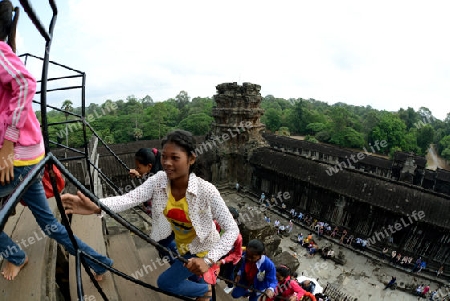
(434, 161)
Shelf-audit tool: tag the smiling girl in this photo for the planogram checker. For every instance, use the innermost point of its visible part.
(182, 203)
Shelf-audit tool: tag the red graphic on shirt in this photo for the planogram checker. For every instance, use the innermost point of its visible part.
(177, 215)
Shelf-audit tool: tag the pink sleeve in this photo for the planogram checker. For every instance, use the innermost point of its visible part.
(299, 290)
(236, 254)
(21, 85)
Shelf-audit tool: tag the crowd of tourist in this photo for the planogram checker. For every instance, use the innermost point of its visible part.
(254, 269)
(322, 228)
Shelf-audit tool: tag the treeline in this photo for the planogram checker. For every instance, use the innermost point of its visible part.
(357, 126)
(340, 124)
(133, 119)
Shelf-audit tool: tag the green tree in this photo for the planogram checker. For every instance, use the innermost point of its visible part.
(93, 109)
(341, 118)
(161, 118)
(409, 142)
(425, 114)
(137, 133)
(197, 124)
(146, 102)
(304, 114)
(312, 139)
(425, 137)
(272, 119)
(201, 105)
(108, 106)
(393, 150)
(369, 120)
(283, 131)
(409, 117)
(390, 129)
(315, 127)
(444, 146)
(67, 106)
(348, 137)
(182, 99)
(323, 136)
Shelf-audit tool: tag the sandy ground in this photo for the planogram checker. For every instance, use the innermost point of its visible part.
(434, 161)
(362, 276)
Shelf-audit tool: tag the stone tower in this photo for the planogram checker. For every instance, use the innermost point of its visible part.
(237, 116)
(236, 130)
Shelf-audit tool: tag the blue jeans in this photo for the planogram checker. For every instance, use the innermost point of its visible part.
(175, 280)
(36, 200)
(170, 244)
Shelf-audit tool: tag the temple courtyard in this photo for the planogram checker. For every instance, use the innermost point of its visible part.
(364, 274)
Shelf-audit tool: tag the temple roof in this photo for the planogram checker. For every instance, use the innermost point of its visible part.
(395, 196)
(327, 149)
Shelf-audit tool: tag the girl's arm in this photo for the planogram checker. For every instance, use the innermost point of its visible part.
(222, 214)
(16, 78)
(236, 254)
(79, 204)
(296, 288)
(271, 276)
(311, 296)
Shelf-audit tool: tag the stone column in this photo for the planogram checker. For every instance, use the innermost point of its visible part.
(236, 131)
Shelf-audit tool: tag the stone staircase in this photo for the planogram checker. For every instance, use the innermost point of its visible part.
(132, 256)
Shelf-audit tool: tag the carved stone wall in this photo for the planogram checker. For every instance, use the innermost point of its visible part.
(238, 114)
(235, 132)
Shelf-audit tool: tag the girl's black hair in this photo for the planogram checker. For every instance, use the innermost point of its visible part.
(257, 246)
(157, 166)
(283, 270)
(8, 24)
(183, 139)
(145, 156)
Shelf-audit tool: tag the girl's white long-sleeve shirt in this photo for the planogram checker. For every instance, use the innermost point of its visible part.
(204, 204)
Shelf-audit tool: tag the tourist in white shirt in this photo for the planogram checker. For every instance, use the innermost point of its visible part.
(183, 203)
(276, 223)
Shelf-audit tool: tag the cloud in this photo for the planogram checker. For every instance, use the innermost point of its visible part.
(388, 55)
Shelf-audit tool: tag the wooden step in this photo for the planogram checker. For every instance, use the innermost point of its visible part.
(149, 258)
(89, 229)
(123, 250)
(36, 281)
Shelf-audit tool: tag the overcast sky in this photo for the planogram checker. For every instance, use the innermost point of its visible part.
(386, 54)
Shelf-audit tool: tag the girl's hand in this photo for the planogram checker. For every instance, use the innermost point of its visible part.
(6, 163)
(134, 173)
(197, 266)
(79, 204)
(269, 293)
